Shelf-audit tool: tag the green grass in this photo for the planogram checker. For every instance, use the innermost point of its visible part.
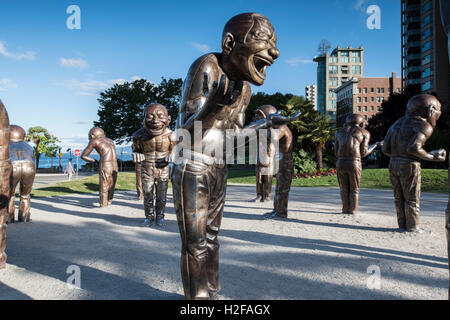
(126, 181)
(433, 180)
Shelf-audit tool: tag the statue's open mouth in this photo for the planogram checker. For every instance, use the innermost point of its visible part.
(261, 65)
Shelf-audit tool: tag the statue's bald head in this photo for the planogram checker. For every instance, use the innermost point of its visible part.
(96, 132)
(354, 119)
(18, 134)
(426, 106)
(239, 26)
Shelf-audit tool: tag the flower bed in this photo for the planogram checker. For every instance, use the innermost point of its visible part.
(323, 173)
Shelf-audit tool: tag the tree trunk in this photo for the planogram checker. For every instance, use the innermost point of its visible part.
(37, 160)
(319, 149)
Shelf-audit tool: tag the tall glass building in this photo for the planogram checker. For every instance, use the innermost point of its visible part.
(333, 70)
(425, 63)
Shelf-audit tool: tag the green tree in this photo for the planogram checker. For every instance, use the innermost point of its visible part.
(44, 143)
(121, 107)
(323, 48)
(311, 128)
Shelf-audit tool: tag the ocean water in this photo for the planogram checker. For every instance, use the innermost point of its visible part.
(123, 154)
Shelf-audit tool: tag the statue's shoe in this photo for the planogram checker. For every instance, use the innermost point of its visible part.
(148, 222)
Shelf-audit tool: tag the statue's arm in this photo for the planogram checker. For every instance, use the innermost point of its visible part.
(416, 143)
(136, 147)
(86, 152)
(336, 145)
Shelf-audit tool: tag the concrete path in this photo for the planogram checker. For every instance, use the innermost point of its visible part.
(43, 180)
(316, 254)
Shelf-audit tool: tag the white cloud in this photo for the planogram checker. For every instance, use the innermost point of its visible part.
(91, 87)
(7, 84)
(73, 63)
(203, 48)
(295, 61)
(30, 55)
(83, 122)
(359, 4)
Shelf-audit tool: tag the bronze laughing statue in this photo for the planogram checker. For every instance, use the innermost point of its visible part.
(215, 96)
(404, 145)
(265, 155)
(152, 147)
(282, 137)
(108, 168)
(22, 158)
(351, 143)
(5, 179)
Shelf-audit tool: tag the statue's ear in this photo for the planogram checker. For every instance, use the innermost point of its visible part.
(431, 110)
(168, 120)
(228, 43)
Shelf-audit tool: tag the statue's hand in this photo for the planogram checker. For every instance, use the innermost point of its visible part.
(221, 95)
(275, 119)
(379, 144)
(138, 157)
(439, 155)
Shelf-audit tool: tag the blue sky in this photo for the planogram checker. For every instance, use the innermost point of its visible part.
(51, 76)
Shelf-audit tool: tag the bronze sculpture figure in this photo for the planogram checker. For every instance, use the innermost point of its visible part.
(265, 158)
(215, 94)
(108, 168)
(24, 170)
(351, 143)
(5, 178)
(281, 136)
(152, 147)
(404, 145)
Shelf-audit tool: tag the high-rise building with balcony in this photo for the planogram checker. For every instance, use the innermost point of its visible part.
(311, 95)
(333, 70)
(425, 64)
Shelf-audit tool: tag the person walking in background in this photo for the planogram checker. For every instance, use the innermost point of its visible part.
(69, 170)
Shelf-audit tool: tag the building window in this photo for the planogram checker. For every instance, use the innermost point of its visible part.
(365, 99)
(426, 21)
(332, 69)
(426, 7)
(382, 90)
(427, 59)
(372, 99)
(427, 85)
(344, 59)
(356, 59)
(426, 72)
(332, 94)
(372, 90)
(333, 82)
(365, 117)
(344, 53)
(356, 69)
(378, 108)
(372, 108)
(359, 108)
(426, 33)
(365, 90)
(365, 108)
(332, 59)
(426, 46)
(359, 99)
(359, 90)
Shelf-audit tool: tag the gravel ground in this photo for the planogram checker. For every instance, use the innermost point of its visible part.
(316, 254)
